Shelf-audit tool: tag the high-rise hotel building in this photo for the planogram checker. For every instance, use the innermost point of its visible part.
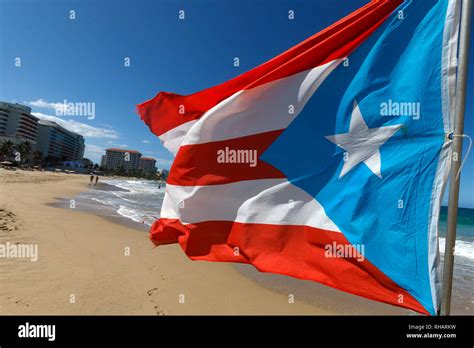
(17, 124)
(115, 159)
(59, 144)
(55, 142)
(147, 164)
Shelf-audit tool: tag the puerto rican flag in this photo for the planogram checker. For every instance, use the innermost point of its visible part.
(327, 162)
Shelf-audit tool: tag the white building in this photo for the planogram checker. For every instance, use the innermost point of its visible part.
(56, 143)
(115, 159)
(147, 164)
(17, 124)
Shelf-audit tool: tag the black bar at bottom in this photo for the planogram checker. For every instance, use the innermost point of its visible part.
(137, 330)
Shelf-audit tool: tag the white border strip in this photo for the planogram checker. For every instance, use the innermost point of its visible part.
(448, 83)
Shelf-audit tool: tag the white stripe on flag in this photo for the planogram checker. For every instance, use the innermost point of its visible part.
(268, 107)
(173, 138)
(267, 201)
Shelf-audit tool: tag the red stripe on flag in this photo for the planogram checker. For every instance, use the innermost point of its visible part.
(297, 251)
(169, 110)
(197, 164)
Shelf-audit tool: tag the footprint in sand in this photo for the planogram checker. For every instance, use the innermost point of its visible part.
(21, 302)
(160, 311)
(8, 221)
(152, 293)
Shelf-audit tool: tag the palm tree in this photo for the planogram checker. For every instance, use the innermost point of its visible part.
(25, 149)
(38, 158)
(6, 149)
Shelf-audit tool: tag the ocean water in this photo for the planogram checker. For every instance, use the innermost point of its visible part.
(139, 201)
(465, 233)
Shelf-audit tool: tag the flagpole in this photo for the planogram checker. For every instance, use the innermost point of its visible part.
(461, 89)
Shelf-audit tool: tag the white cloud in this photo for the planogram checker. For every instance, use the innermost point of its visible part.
(84, 129)
(94, 152)
(115, 144)
(146, 141)
(40, 103)
(95, 149)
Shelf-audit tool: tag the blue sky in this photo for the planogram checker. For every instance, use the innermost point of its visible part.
(82, 60)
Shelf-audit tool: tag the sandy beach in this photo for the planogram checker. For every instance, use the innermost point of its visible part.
(82, 259)
(88, 263)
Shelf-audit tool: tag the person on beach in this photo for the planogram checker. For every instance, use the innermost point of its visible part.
(91, 179)
(96, 179)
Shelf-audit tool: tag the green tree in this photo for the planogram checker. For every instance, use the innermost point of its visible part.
(38, 158)
(26, 150)
(6, 149)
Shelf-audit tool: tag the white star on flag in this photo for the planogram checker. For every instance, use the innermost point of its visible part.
(362, 143)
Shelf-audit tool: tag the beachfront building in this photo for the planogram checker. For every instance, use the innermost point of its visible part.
(17, 124)
(147, 164)
(57, 144)
(121, 159)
